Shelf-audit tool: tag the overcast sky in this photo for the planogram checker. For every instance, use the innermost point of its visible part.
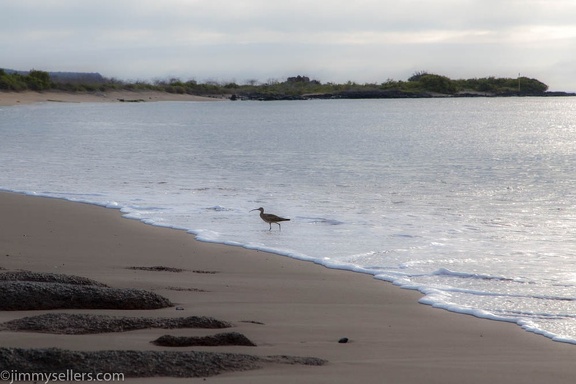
(366, 41)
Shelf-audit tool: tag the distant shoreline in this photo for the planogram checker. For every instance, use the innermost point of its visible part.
(94, 87)
(391, 94)
(29, 97)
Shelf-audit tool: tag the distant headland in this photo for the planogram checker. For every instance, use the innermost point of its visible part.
(420, 85)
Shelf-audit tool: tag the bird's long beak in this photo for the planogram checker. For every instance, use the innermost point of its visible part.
(253, 209)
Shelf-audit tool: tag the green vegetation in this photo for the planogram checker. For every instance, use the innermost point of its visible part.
(34, 80)
(421, 84)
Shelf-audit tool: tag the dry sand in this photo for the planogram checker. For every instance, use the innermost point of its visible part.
(29, 97)
(286, 307)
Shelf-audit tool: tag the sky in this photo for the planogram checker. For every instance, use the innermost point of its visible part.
(364, 41)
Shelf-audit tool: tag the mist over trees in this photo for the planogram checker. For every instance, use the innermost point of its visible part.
(420, 84)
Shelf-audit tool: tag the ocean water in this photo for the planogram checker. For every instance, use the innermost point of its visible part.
(470, 201)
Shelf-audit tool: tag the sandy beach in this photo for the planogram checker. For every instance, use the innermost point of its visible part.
(29, 97)
(284, 306)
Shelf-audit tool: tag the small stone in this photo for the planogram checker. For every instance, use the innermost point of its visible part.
(343, 340)
(179, 308)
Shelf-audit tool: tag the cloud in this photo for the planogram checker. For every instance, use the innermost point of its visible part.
(364, 40)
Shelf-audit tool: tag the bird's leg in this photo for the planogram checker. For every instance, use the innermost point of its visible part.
(270, 226)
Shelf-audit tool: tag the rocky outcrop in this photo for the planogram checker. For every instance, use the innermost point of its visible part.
(39, 291)
(220, 339)
(135, 363)
(82, 323)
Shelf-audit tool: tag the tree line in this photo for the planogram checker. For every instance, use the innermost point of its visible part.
(420, 84)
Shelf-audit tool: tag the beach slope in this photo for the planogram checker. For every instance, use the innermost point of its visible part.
(283, 306)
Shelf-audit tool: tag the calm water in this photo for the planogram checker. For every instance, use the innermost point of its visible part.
(471, 201)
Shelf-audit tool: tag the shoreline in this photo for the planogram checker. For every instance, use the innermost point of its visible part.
(30, 97)
(286, 306)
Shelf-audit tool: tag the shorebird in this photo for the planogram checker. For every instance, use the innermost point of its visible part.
(270, 218)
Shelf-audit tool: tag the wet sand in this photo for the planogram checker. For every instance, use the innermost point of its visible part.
(284, 306)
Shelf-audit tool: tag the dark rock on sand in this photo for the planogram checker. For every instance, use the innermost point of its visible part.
(220, 339)
(32, 295)
(158, 268)
(293, 360)
(185, 289)
(76, 324)
(252, 322)
(129, 363)
(35, 291)
(138, 363)
(48, 278)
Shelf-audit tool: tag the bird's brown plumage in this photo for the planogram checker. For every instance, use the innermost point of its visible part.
(270, 218)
